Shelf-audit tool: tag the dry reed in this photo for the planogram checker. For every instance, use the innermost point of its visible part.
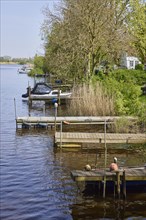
(91, 100)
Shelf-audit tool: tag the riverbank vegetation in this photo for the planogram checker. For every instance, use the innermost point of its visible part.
(84, 41)
(39, 66)
(81, 35)
(118, 93)
(10, 60)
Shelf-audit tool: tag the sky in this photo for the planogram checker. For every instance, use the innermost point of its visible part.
(20, 23)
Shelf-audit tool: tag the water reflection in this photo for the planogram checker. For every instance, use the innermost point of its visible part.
(35, 176)
(91, 208)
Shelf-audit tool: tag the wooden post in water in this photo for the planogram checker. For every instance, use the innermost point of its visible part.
(15, 113)
(59, 96)
(29, 96)
(61, 134)
(118, 183)
(124, 184)
(44, 109)
(105, 159)
(56, 106)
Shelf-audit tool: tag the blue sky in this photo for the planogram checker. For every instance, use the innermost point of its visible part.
(21, 21)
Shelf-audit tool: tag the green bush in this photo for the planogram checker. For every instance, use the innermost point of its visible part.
(125, 87)
(35, 71)
(129, 76)
(139, 67)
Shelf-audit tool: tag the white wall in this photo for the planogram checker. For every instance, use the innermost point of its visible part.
(129, 62)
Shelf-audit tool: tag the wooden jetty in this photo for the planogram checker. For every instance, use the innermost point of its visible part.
(51, 120)
(119, 179)
(70, 139)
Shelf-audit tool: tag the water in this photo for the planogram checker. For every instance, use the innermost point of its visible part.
(35, 178)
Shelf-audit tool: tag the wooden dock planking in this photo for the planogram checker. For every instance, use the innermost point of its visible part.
(116, 181)
(132, 174)
(71, 120)
(70, 137)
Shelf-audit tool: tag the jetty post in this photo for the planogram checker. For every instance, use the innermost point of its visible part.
(105, 159)
(15, 113)
(59, 90)
(124, 184)
(118, 184)
(61, 134)
(29, 96)
(56, 106)
(44, 109)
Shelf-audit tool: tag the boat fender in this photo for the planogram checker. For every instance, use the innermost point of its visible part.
(114, 166)
(87, 167)
(66, 122)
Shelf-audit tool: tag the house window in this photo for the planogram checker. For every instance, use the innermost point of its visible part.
(136, 63)
(131, 63)
(55, 93)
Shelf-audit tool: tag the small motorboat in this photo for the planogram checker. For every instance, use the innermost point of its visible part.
(24, 69)
(40, 88)
(45, 92)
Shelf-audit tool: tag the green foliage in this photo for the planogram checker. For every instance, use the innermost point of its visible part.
(38, 62)
(83, 34)
(137, 77)
(125, 86)
(22, 62)
(137, 27)
(39, 65)
(35, 71)
(139, 67)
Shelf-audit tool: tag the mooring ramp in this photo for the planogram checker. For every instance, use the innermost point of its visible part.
(62, 138)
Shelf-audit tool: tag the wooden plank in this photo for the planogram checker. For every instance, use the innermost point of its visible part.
(77, 138)
(72, 119)
(98, 175)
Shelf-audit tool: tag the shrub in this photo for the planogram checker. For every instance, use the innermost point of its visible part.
(35, 71)
(139, 67)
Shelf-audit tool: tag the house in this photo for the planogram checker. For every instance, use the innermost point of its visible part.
(129, 62)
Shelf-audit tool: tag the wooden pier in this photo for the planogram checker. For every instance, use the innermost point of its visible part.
(68, 139)
(119, 179)
(51, 120)
(132, 174)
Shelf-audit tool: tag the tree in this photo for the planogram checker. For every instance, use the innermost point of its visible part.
(39, 62)
(85, 33)
(137, 26)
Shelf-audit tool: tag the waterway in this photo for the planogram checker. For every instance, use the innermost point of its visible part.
(35, 181)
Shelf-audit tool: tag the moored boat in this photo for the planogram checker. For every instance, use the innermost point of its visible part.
(24, 69)
(45, 92)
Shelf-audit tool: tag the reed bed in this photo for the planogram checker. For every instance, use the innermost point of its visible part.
(91, 100)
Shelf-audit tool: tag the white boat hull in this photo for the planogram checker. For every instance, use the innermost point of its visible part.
(48, 96)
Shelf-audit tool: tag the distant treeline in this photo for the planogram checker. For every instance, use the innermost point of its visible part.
(8, 59)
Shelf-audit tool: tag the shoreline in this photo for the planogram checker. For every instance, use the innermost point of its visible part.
(15, 63)
(9, 63)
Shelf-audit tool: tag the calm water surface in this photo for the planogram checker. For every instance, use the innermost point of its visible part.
(35, 178)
